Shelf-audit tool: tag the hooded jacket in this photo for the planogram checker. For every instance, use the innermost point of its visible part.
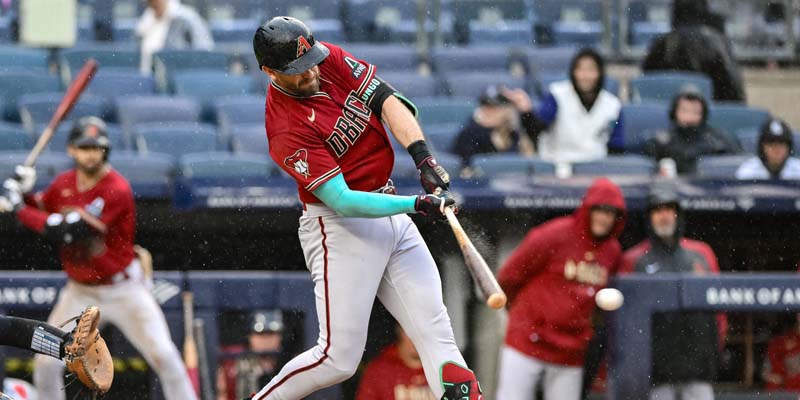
(685, 344)
(552, 276)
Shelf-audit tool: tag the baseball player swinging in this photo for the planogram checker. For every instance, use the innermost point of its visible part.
(89, 213)
(324, 116)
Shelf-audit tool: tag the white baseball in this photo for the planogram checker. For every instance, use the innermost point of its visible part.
(609, 299)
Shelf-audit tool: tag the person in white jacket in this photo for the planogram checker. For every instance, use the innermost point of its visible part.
(577, 120)
(168, 24)
(774, 160)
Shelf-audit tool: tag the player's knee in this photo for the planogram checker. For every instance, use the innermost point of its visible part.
(343, 371)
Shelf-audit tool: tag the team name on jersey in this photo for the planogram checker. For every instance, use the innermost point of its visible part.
(585, 272)
(349, 127)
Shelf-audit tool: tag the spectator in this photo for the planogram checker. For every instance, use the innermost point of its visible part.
(782, 364)
(689, 136)
(246, 370)
(697, 43)
(396, 374)
(685, 346)
(774, 161)
(168, 24)
(550, 280)
(573, 121)
(491, 129)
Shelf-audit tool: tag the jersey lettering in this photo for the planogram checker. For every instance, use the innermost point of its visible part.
(356, 67)
(349, 127)
(373, 84)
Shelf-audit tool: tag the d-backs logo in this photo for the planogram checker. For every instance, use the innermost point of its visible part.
(302, 46)
(349, 127)
(298, 161)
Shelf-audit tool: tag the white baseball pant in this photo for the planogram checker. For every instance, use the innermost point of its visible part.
(688, 391)
(130, 307)
(353, 260)
(520, 375)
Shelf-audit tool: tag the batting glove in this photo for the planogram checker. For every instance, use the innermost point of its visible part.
(431, 205)
(432, 176)
(11, 200)
(26, 176)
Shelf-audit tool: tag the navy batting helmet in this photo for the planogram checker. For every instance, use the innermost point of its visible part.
(286, 45)
(90, 132)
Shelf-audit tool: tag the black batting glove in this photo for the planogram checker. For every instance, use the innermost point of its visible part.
(432, 176)
(431, 205)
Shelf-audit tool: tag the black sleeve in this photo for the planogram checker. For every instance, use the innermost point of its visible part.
(28, 334)
(595, 355)
(532, 125)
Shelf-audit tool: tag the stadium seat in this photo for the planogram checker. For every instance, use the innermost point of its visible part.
(663, 86)
(500, 22)
(14, 57)
(380, 21)
(205, 86)
(473, 84)
(647, 21)
(150, 174)
(13, 137)
(234, 30)
(225, 165)
(720, 167)
(412, 84)
(175, 139)
(111, 84)
(236, 110)
(640, 122)
(510, 163)
(388, 57)
(731, 118)
(15, 84)
(570, 22)
(501, 32)
(48, 165)
(322, 16)
(748, 138)
(168, 62)
(144, 109)
(109, 59)
(37, 109)
(470, 58)
(616, 165)
(251, 138)
(550, 60)
(442, 136)
(442, 110)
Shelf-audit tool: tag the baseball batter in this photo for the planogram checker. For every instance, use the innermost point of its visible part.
(324, 115)
(89, 213)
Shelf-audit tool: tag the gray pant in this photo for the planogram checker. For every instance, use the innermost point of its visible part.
(353, 260)
(697, 390)
(520, 374)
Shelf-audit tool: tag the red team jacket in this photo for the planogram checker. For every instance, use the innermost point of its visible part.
(551, 279)
(314, 138)
(388, 378)
(782, 366)
(95, 259)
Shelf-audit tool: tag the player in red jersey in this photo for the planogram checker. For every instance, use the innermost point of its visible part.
(551, 280)
(396, 374)
(782, 364)
(88, 212)
(324, 120)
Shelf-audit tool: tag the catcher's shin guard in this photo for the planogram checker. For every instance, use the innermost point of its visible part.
(459, 383)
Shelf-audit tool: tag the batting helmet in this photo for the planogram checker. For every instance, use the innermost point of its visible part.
(286, 45)
(89, 132)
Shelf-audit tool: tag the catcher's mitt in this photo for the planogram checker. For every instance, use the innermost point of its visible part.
(87, 355)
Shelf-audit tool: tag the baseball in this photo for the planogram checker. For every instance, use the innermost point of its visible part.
(609, 299)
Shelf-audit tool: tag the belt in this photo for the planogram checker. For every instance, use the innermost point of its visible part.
(132, 271)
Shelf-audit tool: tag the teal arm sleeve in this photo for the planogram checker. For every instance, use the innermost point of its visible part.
(352, 203)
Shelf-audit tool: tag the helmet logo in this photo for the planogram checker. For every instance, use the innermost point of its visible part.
(91, 131)
(302, 46)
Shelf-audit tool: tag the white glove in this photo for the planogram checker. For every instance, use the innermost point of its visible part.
(11, 200)
(26, 176)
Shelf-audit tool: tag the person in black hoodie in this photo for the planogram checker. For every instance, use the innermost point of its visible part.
(685, 344)
(697, 43)
(689, 135)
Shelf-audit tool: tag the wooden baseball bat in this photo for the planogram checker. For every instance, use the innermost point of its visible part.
(481, 274)
(74, 91)
(190, 357)
(207, 392)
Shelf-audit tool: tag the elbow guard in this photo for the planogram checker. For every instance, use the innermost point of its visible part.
(66, 229)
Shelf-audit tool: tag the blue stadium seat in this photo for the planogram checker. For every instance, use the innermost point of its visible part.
(109, 59)
(37, 109)
(616, 165)
(663, 86)
(144, 109)
(510, 163)
(174, 138)
(404, 166)
(48, 165)
(442, 110)
(471, 58)
(251, 138)
(720, 167)
(501, 33)
(236, 166)
(732, 117)
(380, 21)
(168, 62)
(205, 86)
(235, 110)
(23, 57)
(322, 16)
(412, 84)
(150, 174)
(387, 57)
(550, 60)
(473, 84)
(748, 138)
(640, 122)
(112, 84)
(491, 22)
(568, 22)
(647, 21)
(15, 84)
(13, 137)
(234, 30)
(442, 136)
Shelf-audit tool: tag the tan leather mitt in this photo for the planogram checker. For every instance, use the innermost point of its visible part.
(87, 355)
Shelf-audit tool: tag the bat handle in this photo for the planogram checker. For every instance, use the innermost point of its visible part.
(497, 300)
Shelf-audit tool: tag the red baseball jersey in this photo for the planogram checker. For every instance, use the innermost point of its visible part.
(333, 131)
(782, 366)
(388, 378)
(97, 258)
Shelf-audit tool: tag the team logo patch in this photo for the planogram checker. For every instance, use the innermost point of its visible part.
(298, 161)
(356, 67)
(302, 46)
